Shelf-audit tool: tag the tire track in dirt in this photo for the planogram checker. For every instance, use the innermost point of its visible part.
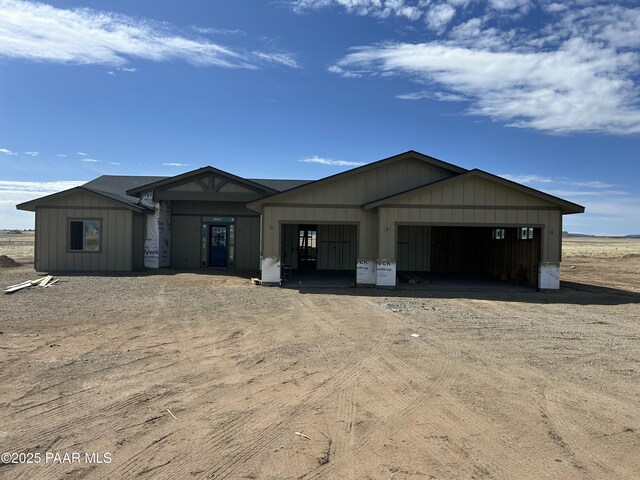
(263, 440)
(387, 375)
(576, 444)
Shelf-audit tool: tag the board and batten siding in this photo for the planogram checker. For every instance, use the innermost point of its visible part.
(340, 201)
(472, 202)
(186, 235)
(116, 242)
(248, 243)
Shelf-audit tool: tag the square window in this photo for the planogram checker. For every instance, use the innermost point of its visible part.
(498, 233)
(84, 235)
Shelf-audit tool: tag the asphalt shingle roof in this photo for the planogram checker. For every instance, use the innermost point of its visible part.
(116, 186)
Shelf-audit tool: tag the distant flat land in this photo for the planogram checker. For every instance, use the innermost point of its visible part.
(18, 246)
(604, 261)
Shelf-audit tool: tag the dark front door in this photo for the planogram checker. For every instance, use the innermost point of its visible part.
(307, 247)
(218, 246)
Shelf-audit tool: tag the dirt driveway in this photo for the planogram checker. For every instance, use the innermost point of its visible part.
(188, 375)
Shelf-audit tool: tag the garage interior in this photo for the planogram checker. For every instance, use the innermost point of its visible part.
(509, 254)
(319, 254)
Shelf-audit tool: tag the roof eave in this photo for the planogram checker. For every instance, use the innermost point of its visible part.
(31, 205)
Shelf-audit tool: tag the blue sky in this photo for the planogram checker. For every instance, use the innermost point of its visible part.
(544, 93)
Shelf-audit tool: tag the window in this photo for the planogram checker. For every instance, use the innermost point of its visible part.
(525, 233)
(84, 235)
(498, 233)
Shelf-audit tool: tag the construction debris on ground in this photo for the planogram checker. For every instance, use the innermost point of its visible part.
(43, 282)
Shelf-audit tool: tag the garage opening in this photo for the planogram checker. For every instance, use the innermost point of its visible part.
(496, 253)
(319, 254)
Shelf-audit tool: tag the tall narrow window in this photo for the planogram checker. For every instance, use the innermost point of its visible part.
(84, 235)
(525, 233)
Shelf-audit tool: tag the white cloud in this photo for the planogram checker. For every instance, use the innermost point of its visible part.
(32, 154)
(329, 161)
(580, 86)
(15, 192)
(439, 16)
(62, 155)
(82, 154)
(510, 4)
(376, 8)
(41, 32)
(424, 94)
(6, 151)
(90, 160)
(114, 163)
(218, 31)
(174, 164)
(533, 179)
(284, 59)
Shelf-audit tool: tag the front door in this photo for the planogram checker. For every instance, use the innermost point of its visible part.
(218, 246)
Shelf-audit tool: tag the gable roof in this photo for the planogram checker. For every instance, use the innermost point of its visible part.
(32, 204)
(564, 205)
(369, 166)
(115, 187)
(194, 174)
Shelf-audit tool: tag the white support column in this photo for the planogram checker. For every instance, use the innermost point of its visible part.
(549, 276)
(386, 274)
(365, 272)
(270, 271)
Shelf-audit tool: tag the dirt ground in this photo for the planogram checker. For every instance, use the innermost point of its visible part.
(185, 375)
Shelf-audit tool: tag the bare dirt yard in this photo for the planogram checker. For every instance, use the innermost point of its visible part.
(188, 375)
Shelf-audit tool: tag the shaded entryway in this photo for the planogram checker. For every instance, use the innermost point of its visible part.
(318, 248)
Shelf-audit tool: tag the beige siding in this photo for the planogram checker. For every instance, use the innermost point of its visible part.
(413, 248)
(191, 207)
(472, 191)
(248, 243)
(337, 247)
(185, 242)
(274, 217)
(370, 185)
(139, 225)
(549, 221)
(52, 244)
(474, 201)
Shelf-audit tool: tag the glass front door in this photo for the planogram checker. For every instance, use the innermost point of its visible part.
(219, 246)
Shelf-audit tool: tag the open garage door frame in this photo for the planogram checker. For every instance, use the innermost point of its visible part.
(502, 252)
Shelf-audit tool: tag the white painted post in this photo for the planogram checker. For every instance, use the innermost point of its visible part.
(270, 270)
(549, 276)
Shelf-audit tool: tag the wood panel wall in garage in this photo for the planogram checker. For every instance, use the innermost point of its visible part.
(472, 250)
(337, 247)
(414, 246)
